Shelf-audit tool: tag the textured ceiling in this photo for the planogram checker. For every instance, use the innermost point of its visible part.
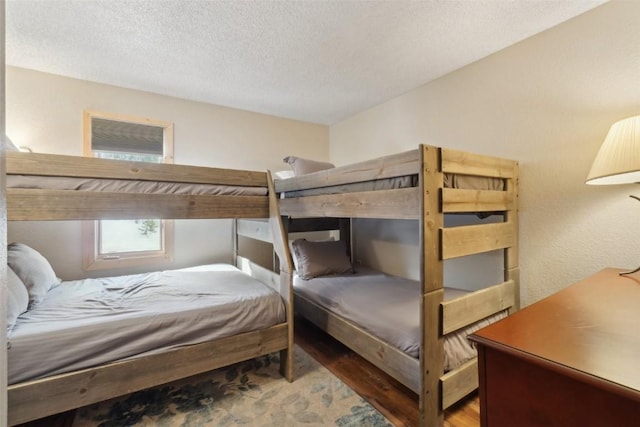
(317, 61)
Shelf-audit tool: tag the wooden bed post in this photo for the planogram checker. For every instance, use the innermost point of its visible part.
(431, 278)
(511, 264)
(281, 248)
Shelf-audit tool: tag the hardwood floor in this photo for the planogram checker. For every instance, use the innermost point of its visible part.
(392, 399)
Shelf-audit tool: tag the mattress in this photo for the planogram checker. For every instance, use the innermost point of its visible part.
(388, 307)
(129, 186)
(85, 323)
(407, 181)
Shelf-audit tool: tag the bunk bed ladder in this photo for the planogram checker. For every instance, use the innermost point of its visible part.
(475, 239)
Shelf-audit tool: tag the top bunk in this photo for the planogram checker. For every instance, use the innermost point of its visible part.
(393, 186)
(60, 187)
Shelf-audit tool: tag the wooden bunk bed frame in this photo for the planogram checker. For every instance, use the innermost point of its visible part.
(427, 203)
(42, 397)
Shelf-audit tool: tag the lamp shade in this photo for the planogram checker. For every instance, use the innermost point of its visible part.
(618, 160)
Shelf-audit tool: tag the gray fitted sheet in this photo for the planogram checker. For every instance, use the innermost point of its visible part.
(84, 323)
(388, 307)
(407, 181)
(129, 186)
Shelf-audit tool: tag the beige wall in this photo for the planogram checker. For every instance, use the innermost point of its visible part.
(44, 112)
(547, 102)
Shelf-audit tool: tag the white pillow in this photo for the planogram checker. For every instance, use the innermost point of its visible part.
(9, 145)
(33, 269)
(302, 166)
(17, 298)
(283, 174)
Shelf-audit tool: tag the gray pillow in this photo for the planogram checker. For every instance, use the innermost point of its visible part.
(33, 269)
(302, 166)
(17, 298)
(321, 258)
(293, 252)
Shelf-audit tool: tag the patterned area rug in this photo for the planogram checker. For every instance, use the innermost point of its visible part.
(251, 393)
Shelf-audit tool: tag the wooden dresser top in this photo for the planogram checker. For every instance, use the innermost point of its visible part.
(590, 330)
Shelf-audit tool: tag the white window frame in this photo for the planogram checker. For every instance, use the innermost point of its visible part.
(92, 260)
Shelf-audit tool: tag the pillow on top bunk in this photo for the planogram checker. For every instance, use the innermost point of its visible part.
(9, 145)
(33, 269)
(283, 174)
(302, 166)
(17, 298)
(321, 258)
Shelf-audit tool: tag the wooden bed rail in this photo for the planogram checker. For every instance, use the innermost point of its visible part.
(392, 204)
(406, 163)
(475, 239)
(33, 399)
(459, 382)
(257, 229)
(49, 205)
(474, 201)
(465, 163)
(467, 309)
(18, 163)
(52, 204)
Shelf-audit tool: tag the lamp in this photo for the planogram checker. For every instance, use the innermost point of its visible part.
(618, 160)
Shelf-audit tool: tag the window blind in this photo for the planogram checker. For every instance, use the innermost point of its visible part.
(110, 135)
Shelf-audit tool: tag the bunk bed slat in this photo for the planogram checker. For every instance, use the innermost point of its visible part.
(264, 275)
(475, 239)
(465, 163)
(83, 205)
(60, 165)
(254, 229)
(400, 204)
(463, 311)
(458, 383)
(406, 163)
(459, 201)
(78, 388)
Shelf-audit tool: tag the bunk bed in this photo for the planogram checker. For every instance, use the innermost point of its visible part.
(424, 185)
(43, 187)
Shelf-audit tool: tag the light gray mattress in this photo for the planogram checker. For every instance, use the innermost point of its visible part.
(129, 186)
(84, 323)
(407, 181)
(388, 307)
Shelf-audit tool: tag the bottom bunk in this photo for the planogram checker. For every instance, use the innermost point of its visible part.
(377, 316)
(84, 341)
(387, 307)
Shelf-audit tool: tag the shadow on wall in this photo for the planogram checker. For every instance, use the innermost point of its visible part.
(392, 246)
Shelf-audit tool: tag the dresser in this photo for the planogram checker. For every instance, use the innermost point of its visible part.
(572, 359)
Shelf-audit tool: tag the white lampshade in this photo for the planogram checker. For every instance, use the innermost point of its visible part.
(618, 161)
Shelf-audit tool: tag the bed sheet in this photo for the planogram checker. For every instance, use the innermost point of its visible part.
(407, 181)
(129, 186)
(388, 307)
(85, 323)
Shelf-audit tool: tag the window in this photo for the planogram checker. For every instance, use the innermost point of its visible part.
(127, 243)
